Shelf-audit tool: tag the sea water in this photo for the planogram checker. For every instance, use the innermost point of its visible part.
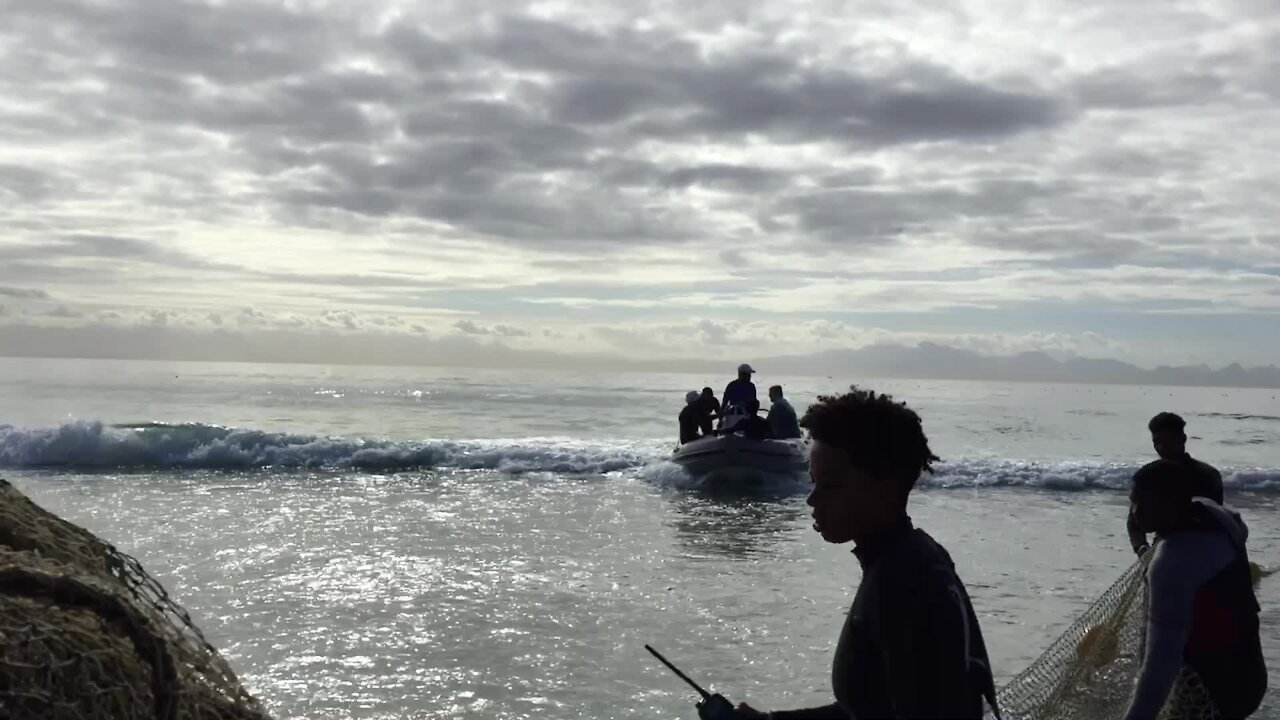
(434, 543)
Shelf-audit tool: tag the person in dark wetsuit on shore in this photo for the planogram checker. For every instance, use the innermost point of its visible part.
(911, 646)
(1202, 612)
(1169, 437)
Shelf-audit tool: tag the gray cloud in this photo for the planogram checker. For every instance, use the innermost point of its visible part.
(469, 327)
(29, 184)
(747, 143)
(109, 248)
(23, 293)
(1123, 89)
(424, 140)
(875, 216)
(62, 311)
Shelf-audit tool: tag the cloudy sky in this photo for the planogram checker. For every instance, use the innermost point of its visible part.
(646, 178)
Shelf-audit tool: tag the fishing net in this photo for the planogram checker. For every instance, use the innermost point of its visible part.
(87, 634)
(1090, 671)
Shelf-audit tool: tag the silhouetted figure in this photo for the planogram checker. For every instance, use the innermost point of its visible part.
(911, 646)
(753, 426)
(782, 417)
(709, 406)
(1201, 609)
(690, 418)
(741, 391)
(1169, 438)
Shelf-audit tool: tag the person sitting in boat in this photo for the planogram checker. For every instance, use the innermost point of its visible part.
(741, 391)
(690, 418)
(782, 417)
(709, 409)
(752, 426)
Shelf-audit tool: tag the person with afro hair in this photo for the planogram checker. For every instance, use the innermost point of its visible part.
(911, 646)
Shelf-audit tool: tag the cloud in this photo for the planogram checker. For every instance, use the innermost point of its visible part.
(23, 293)
(469, 327)
(62, 311)
(729, 340)
(28, 184)
(48, 257)
(322, 134)
(375, 167)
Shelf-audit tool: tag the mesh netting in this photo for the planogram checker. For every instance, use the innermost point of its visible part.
(1090, 671)
(86, 633)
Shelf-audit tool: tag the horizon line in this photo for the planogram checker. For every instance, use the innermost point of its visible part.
(5, 355)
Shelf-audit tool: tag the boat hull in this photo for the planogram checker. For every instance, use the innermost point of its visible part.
(734, 452)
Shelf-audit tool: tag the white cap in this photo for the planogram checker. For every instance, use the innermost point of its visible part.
(691, 397)
(745, 368)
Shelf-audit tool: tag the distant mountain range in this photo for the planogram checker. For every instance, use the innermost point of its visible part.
(934, 361)
(925, 361)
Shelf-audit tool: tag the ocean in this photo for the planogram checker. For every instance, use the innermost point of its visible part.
(452, 543)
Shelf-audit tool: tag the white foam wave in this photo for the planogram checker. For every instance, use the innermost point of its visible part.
(1072, 475)
(94, 446)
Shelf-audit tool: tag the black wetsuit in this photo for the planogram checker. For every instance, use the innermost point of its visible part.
(1208, 484)
(709, 408)
(739, 392)
(690, 423)
(754, 427)
(911, 645)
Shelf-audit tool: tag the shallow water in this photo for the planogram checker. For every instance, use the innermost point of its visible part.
(458, 595)
(470, 584)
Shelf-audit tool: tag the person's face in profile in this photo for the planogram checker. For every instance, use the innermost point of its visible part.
(847, 501)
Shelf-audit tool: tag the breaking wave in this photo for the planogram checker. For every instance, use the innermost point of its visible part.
(97, 447)
(86, 445)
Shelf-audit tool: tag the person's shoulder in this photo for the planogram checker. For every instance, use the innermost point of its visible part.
(1205, 468)
(921, 562)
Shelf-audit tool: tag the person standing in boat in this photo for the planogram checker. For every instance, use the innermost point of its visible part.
(741, 391)
(709, 410)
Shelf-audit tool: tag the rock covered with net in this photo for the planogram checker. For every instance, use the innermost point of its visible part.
(87, 634)
(1090, 671)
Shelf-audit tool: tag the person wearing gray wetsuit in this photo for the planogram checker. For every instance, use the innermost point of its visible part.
(911, 646)
(1202, 611)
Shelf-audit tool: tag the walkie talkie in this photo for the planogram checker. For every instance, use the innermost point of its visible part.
(712, 707)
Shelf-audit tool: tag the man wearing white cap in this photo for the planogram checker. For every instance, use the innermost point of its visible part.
(740, 391)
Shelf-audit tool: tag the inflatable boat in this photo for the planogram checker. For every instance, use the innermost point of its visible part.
(736, 452)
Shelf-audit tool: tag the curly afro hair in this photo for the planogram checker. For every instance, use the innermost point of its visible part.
(882, 436)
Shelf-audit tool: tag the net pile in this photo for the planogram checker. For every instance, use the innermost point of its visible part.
(87, 634)
(1090, 671)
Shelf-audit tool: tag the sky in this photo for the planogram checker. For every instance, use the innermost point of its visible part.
(642, 179)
